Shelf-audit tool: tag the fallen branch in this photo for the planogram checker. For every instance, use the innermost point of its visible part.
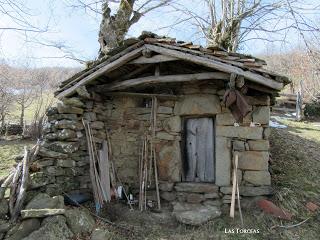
(290, 226)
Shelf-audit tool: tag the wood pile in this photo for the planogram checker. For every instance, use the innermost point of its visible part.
(17, 180)
(148, 161)
(100, 173)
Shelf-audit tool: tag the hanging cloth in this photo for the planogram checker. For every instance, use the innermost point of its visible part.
(235, 101)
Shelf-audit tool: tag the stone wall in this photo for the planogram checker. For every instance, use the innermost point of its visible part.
(64, 162)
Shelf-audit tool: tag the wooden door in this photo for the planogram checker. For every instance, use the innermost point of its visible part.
(199, 148)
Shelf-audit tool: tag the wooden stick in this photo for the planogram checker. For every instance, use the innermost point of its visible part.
(155, 110)
(23, 187)
(238, 192)
(5, 185)
(234, 184)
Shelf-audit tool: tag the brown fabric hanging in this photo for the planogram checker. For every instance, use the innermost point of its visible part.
(235, 101)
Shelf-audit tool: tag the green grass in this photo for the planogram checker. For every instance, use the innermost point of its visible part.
(8, 150)
(15, 109)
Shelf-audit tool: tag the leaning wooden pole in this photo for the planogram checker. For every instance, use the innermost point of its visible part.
(154, 126)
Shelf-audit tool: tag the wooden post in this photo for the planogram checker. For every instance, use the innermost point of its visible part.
(234, 186)
(299, 103)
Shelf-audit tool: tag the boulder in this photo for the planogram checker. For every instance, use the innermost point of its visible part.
(259, 145)
(257, 177)
(44, 152)
(196, 187)
(223, 163)
(166, 186)
(66, 163)
(97, 125)
(200, 214)
(63, 108)
(52, 229)
(75, 102)
(195, 198)
(169, 164)
(173, 124)
(198, 104)
(62, 116)
(168, 196)
(253, 160)
(19, 231)
(4, 226)
(40, 213)
(225, 119)
(61, 135)
(101, 234)
(68, 124)
(39, 179)
(90, 116)
(4, 208)
(51, 111)
(239, 132)
(43, 200)
(79, 221)
(261, 115)
(83, 92)
(165, 136)
(249, 191)
(62, 147)
(164, 110)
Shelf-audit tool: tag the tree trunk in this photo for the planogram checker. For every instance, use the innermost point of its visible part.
(22, 115)
(113, 28)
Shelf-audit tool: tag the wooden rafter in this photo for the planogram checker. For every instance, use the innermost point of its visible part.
(162, 79)
(155, 59)
(217, 65)
(105, 69)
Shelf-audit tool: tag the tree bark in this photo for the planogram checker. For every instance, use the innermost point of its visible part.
(22, 115)
(113, 28)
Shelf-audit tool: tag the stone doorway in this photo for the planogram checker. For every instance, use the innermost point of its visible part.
(199, 161)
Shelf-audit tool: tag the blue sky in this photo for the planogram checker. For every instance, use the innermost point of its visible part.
(78, 31)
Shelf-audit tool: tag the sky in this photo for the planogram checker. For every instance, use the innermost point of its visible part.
(77, 31)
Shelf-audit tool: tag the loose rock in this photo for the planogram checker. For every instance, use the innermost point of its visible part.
(43, 200)
(4, 208)
(40, 213)
(79, 221)
(23, 229)
(53, 229)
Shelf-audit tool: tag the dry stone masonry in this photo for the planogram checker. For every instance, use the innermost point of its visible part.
(64, 162)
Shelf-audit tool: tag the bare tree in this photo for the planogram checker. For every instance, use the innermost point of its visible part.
(231, 23)
(6, 95)
(114, 27)
(20, 15)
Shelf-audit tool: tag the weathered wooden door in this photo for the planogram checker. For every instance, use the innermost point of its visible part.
(199, 148)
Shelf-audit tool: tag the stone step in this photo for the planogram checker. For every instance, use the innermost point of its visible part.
(196, 187)
(41, 213)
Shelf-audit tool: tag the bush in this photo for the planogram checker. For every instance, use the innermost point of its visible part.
(312, 110)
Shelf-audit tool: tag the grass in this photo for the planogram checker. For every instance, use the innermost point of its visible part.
(8, 151)
(15, 110)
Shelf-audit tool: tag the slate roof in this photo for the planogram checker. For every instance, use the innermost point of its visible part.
(246, 63)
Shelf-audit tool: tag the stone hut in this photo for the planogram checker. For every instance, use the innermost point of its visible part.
(196, 135)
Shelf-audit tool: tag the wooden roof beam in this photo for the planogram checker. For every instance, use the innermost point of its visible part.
(163, 79)
(227, 68)
(154, 59)
(101, 71)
